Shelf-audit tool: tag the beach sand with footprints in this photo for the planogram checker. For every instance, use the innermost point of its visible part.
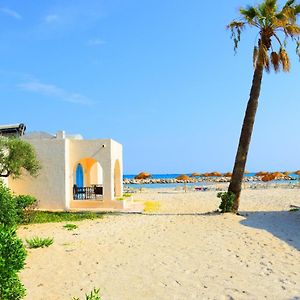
(181, 250)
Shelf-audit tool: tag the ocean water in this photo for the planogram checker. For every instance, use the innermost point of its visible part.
(194, 184)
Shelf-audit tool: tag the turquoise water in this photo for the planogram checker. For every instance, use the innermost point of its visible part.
(196, 184)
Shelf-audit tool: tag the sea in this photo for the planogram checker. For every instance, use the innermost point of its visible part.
(194, 184)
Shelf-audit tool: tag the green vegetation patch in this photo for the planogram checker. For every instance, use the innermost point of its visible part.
(70, 226)
(52, 217)
(94, 295)
(227, 201)
(126, 195)
(37, 242)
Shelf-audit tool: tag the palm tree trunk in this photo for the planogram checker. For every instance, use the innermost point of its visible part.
(235, 185)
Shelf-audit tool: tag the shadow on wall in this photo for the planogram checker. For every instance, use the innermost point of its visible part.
(285, 225)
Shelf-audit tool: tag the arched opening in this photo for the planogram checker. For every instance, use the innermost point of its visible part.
(117, 180)
(79, 176)
(88, 179)
(96, 173)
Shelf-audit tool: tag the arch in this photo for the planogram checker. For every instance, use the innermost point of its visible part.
(79, 175)
(96, 173)
(117, 179)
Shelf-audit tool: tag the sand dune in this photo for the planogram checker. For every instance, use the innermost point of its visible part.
(180, 252)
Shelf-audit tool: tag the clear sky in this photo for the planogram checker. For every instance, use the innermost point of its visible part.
(160, 77)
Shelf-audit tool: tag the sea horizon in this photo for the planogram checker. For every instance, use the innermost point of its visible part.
(174, 175)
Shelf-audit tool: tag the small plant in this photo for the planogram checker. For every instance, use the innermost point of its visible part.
(126, 195)
(227, 201)
(12, 258)
(70, 226)
(37, 242)
(120, 199)
(94, 295)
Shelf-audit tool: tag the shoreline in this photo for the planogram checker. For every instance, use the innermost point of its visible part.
(221, 179)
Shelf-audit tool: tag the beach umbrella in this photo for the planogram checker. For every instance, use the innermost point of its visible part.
(215, 174)
(268, 177)
(195, 174)
(205, 175)
(228, 174)
(183, 177)
(143, 175)
(262, 173)
(278, 174)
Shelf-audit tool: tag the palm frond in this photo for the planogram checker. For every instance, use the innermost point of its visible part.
(275, 61)
(263, 57)
(285, 61)
(298, 48)
(236, 30)
(249, 13)
(292, 30)
(289, 3)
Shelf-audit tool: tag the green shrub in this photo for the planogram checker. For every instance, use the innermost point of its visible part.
(25, 206)
(8, 212)
(94, 295)
(12, 258)
(227, 201)
(70, 226)
(37, 242)
(15, 209)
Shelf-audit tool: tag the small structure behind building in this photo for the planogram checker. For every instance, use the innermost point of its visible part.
(13, 130)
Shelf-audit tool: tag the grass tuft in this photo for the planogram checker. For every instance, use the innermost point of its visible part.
(94, 295)
(51, 217)
(70, 226)
(37, 242)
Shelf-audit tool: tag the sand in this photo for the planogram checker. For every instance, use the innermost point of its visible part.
(180, 252)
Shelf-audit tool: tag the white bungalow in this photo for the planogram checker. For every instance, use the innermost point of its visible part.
(75, 174)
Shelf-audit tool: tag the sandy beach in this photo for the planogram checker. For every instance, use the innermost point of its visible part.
(182, 251)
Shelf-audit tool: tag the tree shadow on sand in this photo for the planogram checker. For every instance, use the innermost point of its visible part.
(285, 225)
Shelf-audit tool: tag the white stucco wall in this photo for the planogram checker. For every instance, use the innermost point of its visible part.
(59, 157)
(50, 186)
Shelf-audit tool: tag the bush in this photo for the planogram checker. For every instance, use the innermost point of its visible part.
(8, 212)
(37, 242)
(25, 208)
(12, 258)
(15, 209)
(227, 201)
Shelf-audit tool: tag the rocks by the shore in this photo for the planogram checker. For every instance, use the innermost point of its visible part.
(195, 180)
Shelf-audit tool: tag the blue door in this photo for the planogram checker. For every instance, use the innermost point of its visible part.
(79, 175)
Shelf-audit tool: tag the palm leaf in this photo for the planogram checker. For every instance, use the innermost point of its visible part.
(285, 61)
(275, 61)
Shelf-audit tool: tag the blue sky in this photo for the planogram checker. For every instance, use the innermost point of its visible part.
(158, 76)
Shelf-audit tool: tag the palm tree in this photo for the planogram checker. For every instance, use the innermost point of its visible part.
(275, 27)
